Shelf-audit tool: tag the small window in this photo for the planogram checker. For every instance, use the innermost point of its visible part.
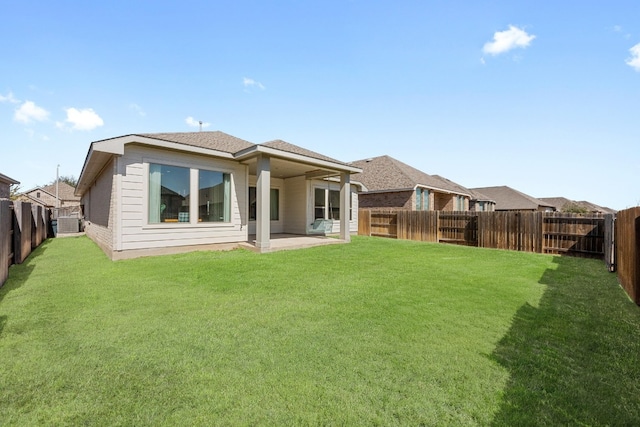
(334, 204)
(274, 208)
(38, 194)
(319, 203)
(321, 198)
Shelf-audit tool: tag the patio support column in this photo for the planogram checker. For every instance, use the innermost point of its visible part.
(345, 205)
(263, 189)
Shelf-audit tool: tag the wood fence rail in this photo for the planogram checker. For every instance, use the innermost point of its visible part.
(540, 232)
(23, 227)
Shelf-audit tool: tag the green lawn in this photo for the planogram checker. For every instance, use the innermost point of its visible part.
(377, 332)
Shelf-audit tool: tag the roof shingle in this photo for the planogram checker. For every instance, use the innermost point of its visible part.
(386, 173)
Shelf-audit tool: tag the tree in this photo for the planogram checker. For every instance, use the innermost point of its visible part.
(14, 190)
(575, 208)
(67, 179)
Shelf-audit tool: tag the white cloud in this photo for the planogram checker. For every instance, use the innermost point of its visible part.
(195, 123)
(9, 98)
(250, 83)
(85, 119)
(504, 41)
(634, 61)
(29, 112)
(138, 109)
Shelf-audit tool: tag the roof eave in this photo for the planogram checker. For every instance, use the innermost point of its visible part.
(254, 151)
(101, 152)
(8, 180)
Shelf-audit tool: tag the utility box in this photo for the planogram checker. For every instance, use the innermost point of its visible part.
(68, 225)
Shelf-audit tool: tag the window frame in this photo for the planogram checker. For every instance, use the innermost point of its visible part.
(194, 189)
(325, 207)
(271, 203)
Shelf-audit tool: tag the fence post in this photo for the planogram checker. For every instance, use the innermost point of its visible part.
(22, 231)
(5, 239)
(609, 242)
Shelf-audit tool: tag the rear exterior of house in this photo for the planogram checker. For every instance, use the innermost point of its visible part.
(149, 193)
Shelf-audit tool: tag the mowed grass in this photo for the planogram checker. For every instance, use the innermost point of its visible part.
(377, 332)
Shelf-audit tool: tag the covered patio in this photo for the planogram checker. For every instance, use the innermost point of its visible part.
(285, 241)
(301, 171)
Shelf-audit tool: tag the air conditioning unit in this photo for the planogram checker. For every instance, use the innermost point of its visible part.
(68, 224)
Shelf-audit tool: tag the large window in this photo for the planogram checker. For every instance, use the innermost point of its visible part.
(274, 208)
(168, 194)
(170, 198)
(214, 196)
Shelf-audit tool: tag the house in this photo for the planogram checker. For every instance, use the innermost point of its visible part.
(481, 202)
(389, 183)
(508, 199)
(563, 204)
(56, 197)
(142, 193)
(5, 186)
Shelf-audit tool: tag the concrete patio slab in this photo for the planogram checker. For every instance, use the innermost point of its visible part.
(283, 242)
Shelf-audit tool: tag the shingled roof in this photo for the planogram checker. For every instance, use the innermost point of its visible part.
(384, 173)
(508, 199)
(563, 204)
(65, 191)
(214, 140)
(220, 141)
(278, 144)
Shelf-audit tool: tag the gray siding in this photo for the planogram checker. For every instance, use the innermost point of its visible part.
(134, 230)
(295, 206)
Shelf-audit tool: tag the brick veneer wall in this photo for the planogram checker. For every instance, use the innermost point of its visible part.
(100, 207)
(388, 200)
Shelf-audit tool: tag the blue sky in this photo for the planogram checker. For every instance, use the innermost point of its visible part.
(541, 96)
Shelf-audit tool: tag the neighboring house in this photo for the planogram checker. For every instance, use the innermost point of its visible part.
(67, 202)
(143, 192)
(563, 204)
(481, 202)
(391, 184)
(508, 199)
(5, 186)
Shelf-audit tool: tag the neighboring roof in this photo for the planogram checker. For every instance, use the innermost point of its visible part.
(65, 191)
(557, 202)
(507, 198)
(596, 208)
(6, 179)
(214, 143)
(384, 173)
(562, 203)
(480, 197)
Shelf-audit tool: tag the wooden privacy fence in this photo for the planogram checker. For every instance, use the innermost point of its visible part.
(23, 227)
(627, 238)
(541, 232)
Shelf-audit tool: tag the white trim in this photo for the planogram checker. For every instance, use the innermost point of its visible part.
(300, 158)
(117, 223)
